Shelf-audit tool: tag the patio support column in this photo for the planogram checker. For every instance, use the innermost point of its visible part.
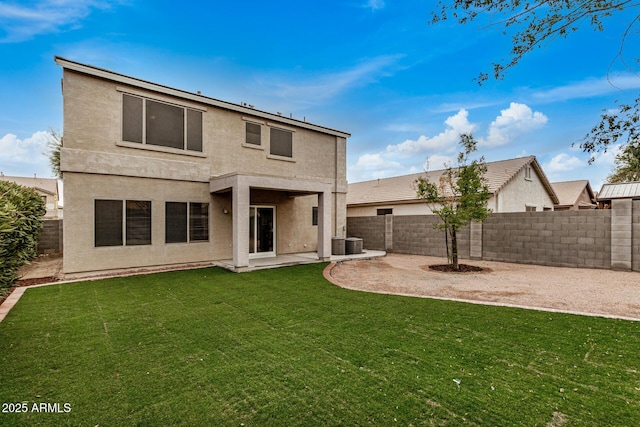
(240, 213)
(324, 225)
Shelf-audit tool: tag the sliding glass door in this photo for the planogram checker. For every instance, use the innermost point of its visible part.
(262, 231)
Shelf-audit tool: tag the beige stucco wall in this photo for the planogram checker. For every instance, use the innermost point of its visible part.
(93, 117)
(51, 204)
(81, 190)
(521, 192)
(97, 164)
(398, 209)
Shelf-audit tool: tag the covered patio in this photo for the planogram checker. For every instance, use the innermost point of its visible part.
(242, 187)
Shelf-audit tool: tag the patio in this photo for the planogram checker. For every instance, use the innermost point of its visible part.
(295, 259)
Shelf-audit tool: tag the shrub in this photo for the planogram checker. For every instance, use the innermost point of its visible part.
(21, 220)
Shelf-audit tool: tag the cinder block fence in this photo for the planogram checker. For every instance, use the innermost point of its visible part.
(607, 239)
(50, 239)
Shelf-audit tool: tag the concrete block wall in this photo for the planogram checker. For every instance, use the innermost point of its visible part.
(621, 227)
(50, 239)
(370, 228)
(415, 234)
(635, 232)
(608, 239)
(565, 239)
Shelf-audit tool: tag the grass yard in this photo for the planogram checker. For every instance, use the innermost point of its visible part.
(285, 347)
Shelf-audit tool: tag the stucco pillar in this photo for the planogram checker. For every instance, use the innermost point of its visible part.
(621, 228)
(388, 232)
(240, 212)
(324, 225)
(475, 240)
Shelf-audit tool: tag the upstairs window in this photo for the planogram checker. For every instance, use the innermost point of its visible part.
(281, 143)
(254, 132)
(146, 121)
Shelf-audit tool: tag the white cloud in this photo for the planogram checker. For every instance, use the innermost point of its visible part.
(22, 22)
(568, 167)
(24, 157)
(513, 122)
(437, 162)
(375, 4)
(445, 140)
(560, 164)
(409, 155)
(607, 158)
(375, 161)
(332, 84)
(23, 150)
(375, 166)
(589, 88)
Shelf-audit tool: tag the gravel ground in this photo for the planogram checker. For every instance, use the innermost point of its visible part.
(576, 290)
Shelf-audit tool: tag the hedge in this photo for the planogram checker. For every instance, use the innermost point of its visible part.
(21, 219)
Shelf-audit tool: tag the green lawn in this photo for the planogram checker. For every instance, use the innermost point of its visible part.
(285, 347)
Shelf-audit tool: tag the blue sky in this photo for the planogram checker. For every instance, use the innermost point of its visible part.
(374, 68)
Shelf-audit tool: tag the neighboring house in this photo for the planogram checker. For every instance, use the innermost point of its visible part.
(516, 185)
(574, 195)
(618, 191)
(155, 176)
(46, 187)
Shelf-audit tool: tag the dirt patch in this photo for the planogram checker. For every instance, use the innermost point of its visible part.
(577, 290)
(448, 268)
(37, 281)
(557, 420)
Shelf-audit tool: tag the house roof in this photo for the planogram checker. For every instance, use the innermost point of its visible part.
(621, 190)
(402, 189)
(197, 97)
(44, 185)
(569, 191)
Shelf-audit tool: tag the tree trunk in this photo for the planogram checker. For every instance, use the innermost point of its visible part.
(446, 243)
(454, 249)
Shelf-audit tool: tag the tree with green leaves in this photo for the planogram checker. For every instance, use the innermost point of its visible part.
(627, 167)
(534, 24)
(459, 197)
(21, 219)
(54, 144)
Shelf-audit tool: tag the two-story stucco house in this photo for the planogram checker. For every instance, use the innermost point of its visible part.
(156, 176)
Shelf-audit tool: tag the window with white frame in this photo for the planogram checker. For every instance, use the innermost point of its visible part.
(151, 122)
